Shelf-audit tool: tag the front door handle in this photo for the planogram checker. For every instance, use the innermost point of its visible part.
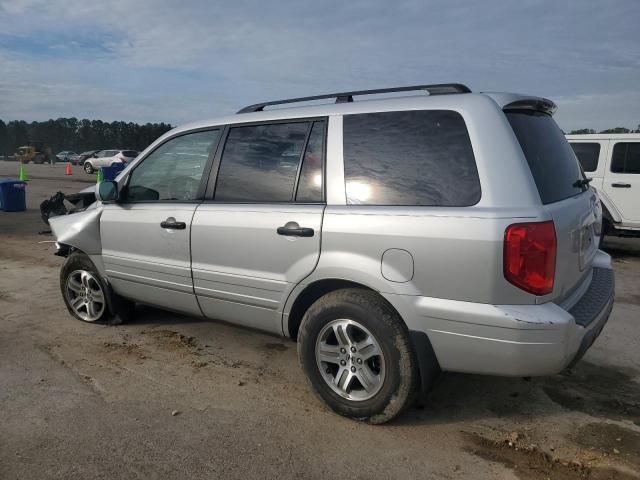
(172, 224)
(621, 185)
(292, 229)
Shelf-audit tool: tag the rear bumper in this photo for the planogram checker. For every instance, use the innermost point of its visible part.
(513, 340)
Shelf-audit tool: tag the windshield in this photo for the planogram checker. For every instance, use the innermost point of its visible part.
(553, 164)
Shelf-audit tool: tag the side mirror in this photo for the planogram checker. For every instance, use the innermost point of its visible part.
(95, 155)
(107, 191)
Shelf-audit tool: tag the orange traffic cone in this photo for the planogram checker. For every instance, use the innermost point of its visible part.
(68, 172)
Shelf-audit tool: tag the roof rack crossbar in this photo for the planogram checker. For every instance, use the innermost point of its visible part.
(345, 97)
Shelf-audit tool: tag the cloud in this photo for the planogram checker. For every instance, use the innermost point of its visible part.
(177, 61)
(599, 111)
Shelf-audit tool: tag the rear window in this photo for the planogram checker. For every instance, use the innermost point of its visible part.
(626, 158)
(587, 154)
(551, 160)
(129, 153)
(421, 158)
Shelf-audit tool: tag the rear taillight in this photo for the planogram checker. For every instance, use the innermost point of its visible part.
(530, 256)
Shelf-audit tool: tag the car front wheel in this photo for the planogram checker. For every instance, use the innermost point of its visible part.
(88, 168)
(356, 352)
(85, 295)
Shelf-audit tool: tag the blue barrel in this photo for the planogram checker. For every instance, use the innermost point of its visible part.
(12, 195)
(109, 173)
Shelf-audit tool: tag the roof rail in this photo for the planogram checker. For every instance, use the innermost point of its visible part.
(344, 97)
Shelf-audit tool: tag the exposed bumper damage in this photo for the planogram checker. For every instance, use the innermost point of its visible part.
(63, 204)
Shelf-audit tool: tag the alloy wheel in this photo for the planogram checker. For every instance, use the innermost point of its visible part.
(350, 359)
(85, 295)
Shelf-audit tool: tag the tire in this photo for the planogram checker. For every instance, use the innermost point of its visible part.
(88, 168)
(606, 228)
(371, 325)
(85, 293)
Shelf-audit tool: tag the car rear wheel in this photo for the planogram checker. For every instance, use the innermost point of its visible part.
(357, 355)
(85, 293)
(88, 168)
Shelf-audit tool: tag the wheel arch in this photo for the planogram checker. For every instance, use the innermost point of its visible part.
(609, 210)
(427, 361)
(301, 301)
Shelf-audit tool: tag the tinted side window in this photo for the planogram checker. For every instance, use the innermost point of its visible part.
(260, 163)
(310, 183)
(587, 154)
(409, 158)
(626, 158)
(173, 171)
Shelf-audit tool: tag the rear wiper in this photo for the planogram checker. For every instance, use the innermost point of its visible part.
(582, 182)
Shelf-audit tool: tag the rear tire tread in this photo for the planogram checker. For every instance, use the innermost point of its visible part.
(378, 310)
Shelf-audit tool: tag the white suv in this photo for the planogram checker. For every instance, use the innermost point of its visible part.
(108, 158)
(613, 162)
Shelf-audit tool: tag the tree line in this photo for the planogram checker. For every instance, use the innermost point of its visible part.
(78, 135)
(586, 131)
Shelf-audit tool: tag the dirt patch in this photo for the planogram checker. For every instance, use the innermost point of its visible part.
(598, 390)
(279, 347)
(6, 296)
(611, 440)
(631, 299)
(173, 341)
(124, 348)
(198, 364)
(528, 462)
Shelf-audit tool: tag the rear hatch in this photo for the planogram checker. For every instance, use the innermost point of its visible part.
(564, 191)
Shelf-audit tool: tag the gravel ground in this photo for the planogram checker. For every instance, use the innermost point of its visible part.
(170, 396)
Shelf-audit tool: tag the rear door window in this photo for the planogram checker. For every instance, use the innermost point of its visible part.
(420, 158)
(552, 162)
(626, 158)
(587, 154)
(259, 163)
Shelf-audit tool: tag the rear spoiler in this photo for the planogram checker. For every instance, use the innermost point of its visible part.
(538, 104)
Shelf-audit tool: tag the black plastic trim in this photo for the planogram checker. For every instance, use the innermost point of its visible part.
(595, 299)
(428, 366)
(347, 97)
(538, 104)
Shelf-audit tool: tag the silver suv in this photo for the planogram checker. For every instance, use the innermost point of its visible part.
(393, 238)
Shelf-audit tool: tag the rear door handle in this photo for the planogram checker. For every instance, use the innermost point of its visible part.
(172, 224)
(621, 185)
(292, 229)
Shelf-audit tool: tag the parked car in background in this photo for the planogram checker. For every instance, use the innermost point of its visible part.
(108, 158)
(84, 155)
(392, 238)
(65, 156)
(613, 163)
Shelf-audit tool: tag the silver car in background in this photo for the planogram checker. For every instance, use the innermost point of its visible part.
(392, 238)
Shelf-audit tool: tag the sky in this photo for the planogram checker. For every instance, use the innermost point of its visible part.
(178, 61)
